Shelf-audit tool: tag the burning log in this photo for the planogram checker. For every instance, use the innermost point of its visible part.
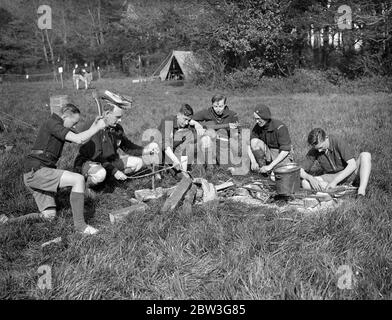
(224, 185)
(188, 200)
(177, 195)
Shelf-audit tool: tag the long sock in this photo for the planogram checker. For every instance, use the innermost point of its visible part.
(77, 206)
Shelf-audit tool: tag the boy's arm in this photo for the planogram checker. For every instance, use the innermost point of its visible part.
(199, 128)
(131, 148)
(349, 169)
(176, 162)
(347, 153)
(282, 154)
(83, 137)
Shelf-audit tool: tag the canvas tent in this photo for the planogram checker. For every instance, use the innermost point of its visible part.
(178, 65)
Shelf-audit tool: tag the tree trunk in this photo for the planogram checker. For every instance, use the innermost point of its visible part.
(64, 24)
(51, 54)
(101, 37)
(95, 34)
(44, 47)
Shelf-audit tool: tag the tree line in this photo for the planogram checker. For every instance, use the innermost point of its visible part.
(254, 37)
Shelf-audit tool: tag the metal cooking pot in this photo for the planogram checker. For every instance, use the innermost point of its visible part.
(287, 179)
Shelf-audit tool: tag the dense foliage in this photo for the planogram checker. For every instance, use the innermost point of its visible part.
(237, 39)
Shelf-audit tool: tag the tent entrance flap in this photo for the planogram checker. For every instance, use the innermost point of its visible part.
(179, 65)
(175, 71)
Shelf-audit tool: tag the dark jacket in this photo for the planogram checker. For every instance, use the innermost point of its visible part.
(103, 146)
(209, 115)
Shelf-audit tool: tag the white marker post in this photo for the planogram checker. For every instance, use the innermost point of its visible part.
(99, 73)
(61, 77)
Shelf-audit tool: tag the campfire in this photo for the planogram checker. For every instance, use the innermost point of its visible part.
(259, 193)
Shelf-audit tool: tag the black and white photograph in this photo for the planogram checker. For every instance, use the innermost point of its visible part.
(197, 156)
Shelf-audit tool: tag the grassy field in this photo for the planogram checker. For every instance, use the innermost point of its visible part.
(226, 252)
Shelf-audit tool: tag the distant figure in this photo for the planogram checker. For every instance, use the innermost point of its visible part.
(87, 74)
(77, 75)
(337, 161)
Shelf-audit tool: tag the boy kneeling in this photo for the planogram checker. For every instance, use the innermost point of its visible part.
(40, 173)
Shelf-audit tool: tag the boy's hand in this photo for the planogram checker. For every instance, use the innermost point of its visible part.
(233, 125)
(199, 129)
(177, 165)
(255, 166)
(315, 184)
(119, 175)
(265, 169)
(100, 123)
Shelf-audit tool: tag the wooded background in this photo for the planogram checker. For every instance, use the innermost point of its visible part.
(248, 38)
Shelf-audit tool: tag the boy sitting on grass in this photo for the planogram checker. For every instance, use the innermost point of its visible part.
(337, 162)
(179, 137)
(40, 173)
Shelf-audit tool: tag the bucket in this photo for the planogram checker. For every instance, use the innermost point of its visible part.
(57, 102)
(287, 179)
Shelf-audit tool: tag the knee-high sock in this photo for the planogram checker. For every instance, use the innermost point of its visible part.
(77, 206)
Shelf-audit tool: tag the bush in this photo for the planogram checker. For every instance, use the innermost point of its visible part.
(211, 72)
(243, 79)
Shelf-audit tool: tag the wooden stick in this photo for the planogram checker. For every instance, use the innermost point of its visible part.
(153, 177)
(224, 185)
(95, 96)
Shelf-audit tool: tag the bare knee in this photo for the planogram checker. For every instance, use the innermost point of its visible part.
(78, 180)
(366, 156)
(305, 184)
(205, 142)
(256, 144)
(138, 164)
(135, 164)
(97, 175)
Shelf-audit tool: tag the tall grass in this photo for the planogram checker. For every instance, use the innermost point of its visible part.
(225, 251)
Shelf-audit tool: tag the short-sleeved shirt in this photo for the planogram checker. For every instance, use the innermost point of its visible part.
(274, 134)
(333, 160)
(168, 127)
(209, 115)
(50, 140)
